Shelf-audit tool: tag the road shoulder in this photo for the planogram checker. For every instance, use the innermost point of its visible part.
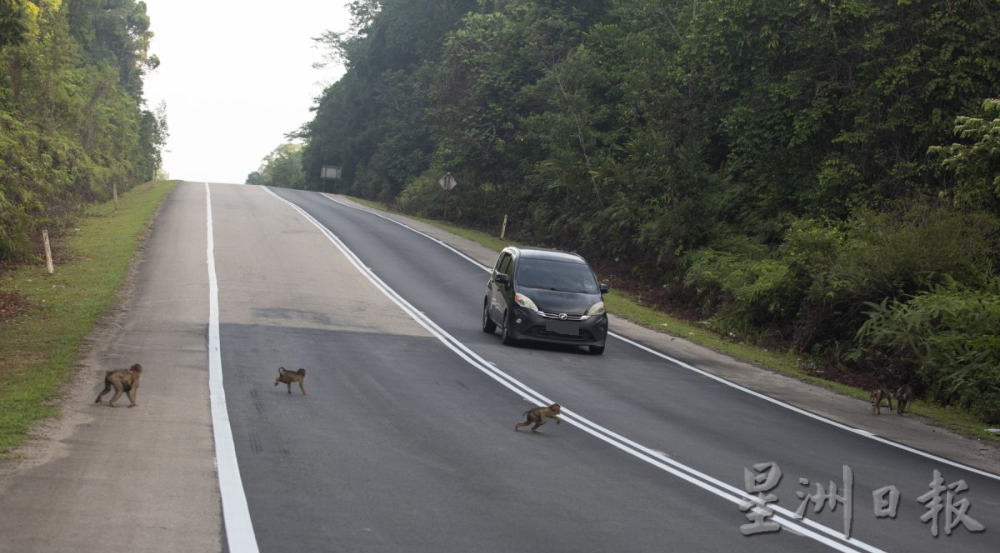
(97, 478)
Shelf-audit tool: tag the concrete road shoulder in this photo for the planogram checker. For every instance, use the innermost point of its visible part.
(141, 479)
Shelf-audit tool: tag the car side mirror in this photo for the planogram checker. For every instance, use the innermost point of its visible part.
(605, 288)
(501, 278)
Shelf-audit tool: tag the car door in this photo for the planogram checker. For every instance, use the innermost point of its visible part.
(496, 290)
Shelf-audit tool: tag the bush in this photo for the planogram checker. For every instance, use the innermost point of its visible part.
(813, 289)
(950, 334)
(905, 250)
(749, 295)
(423, 196)
(837, 268)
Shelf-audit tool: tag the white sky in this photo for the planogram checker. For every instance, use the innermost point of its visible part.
(236, 76)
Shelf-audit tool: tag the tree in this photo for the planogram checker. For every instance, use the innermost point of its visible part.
(255, 178)
(12, 24)
(281, 168)
(975, 165)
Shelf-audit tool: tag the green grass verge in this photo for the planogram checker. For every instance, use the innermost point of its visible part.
(38, 348)
(621, 305)
(488, 240)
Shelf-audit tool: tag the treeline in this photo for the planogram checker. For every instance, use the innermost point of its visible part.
(819, 175)
(73, 122)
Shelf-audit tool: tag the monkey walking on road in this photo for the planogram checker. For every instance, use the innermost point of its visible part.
(286, 376)
(538, 415)
(123, 381)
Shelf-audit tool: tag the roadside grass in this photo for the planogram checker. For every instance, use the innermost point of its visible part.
(40, 346)
(622, 305)
(486, 239)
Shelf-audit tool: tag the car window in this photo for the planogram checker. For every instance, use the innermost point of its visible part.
(496, 268)
(505, 264)
(549, 274)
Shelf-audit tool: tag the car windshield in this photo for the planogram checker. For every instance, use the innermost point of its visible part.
(548, 274)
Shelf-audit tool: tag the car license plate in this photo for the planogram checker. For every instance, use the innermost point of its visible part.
(563, 327)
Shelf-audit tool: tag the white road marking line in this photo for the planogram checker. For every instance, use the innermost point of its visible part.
(770, 399)
(704, 481)
(235, 512)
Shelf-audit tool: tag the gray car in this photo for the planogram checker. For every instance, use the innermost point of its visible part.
(545, 296)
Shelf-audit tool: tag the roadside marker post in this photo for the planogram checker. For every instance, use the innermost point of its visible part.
(48, 252)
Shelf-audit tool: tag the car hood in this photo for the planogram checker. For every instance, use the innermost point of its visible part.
(574, 303)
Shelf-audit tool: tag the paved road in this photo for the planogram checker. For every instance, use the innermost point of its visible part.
(406, 445)
(405, 440)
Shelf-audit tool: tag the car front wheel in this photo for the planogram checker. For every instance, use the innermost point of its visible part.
(506, 336)
(488, 325)
(596, 350)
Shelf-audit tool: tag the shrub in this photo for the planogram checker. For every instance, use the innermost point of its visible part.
(950, 334)
(423, 196)
(748, 294)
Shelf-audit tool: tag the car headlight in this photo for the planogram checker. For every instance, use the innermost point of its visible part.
(596, 309)
(525, 302)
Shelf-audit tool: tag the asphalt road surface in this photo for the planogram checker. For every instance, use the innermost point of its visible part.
(405, 441)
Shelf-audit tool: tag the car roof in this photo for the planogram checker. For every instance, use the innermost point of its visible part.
(554, 255)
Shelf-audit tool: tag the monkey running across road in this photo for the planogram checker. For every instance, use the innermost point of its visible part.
(538, 415)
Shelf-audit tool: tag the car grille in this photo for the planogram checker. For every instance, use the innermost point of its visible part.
(583, 336)
(569, 317)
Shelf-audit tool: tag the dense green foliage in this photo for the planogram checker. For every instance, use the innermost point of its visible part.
(73, 123)
(282, 167)
(785, 166)
(950, 333)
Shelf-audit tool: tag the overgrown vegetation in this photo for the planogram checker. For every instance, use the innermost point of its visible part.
(798, 172)
(950, 334)
(73, 123)
(40, 345)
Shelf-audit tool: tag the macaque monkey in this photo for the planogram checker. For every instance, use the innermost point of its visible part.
(904, 397)
(123, 381)
(286, 376)
(538, 416)
(878, 394)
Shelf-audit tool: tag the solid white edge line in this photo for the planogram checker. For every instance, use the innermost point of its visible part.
(800, 411)
(729, 493)
(778, 402)
(235, 511)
